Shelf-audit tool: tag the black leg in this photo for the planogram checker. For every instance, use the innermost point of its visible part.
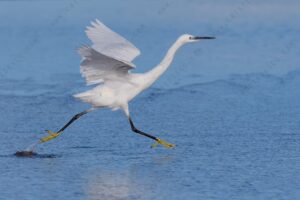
(158, 140)
(134, 129)
(75, 117)
(53, 135)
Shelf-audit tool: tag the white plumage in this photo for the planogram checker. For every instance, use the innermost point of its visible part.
(108, 63)
(97, 67)
(110, 43)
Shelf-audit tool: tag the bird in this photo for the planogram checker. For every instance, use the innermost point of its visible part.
(107, 64)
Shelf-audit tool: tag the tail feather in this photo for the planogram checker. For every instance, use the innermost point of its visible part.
(84, 96)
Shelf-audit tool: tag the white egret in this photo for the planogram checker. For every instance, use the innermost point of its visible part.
(107, 63)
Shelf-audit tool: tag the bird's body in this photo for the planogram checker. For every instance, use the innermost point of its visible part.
(114, 94)
(107, 63)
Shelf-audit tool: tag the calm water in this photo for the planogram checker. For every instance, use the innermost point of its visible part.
(236, 139)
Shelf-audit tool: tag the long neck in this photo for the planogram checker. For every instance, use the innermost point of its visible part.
(157, 71)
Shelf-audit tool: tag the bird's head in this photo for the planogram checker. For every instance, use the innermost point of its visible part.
(186, 38)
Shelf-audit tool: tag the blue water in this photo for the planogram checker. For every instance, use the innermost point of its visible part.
(236, 139)
(230, 105)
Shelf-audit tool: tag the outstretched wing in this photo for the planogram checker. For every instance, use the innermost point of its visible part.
(97, 67)
(109, 43)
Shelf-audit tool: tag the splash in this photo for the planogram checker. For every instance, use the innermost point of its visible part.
(29, 151)
(32, 146)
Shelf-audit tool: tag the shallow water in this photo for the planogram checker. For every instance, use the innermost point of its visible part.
(236, 139)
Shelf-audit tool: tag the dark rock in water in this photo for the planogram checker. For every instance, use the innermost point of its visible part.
(25, 154)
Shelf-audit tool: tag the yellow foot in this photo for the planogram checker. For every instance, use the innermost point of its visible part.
(163, 143)
(49, 137)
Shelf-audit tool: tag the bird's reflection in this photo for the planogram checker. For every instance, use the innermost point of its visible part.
(110, 185)
(135, 181)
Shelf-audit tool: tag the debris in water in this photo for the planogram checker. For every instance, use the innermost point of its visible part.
(25, 154)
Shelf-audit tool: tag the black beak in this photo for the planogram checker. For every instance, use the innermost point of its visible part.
(203, 37)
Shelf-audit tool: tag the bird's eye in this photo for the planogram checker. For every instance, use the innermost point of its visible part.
(190, 37)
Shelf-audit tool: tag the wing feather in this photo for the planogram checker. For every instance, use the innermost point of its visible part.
(97, 67)
(109, 43)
